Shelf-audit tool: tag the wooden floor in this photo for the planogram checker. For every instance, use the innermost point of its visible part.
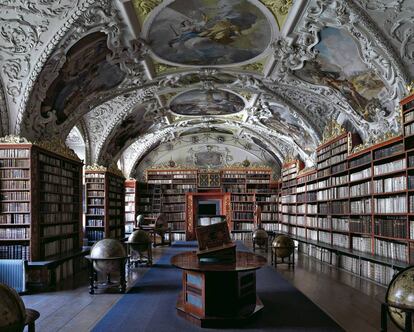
(352, 302)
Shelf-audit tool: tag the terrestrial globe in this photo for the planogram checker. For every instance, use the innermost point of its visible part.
(140, 220)
(260, 236)
(12, 310)
(139, 241)
(107, 248)
(401, 292)
(283, 246)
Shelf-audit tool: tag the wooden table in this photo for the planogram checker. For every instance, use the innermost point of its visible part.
(218, 295)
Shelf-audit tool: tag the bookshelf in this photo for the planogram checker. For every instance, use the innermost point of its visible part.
(353, 211)
(247, 186)
(131, 204)
(41, 215)
(104, 203)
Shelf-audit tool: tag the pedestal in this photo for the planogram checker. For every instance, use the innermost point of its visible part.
(219, 295)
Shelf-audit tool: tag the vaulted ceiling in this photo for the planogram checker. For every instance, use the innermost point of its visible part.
(143, 82)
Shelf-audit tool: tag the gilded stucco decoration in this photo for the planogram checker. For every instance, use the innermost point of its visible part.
(280, 9)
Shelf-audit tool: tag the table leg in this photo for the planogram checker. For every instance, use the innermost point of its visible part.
(408, 321)
(31, 327)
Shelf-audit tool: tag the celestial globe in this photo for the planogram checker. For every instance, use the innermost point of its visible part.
(139, 241)
(260, 236)
(283, 246)
(107, 248)
(401, 292)
(12, 310)
(140, 220)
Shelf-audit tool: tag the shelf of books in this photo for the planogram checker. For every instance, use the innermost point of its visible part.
(354, 210)
(40, 217)
(247, 185)
(131, 202)
(104, 203)
(166, 190)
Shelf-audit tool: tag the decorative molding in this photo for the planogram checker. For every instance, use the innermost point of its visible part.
(144, 7)
(56, 145)
(14, 139)
(99, 168)
(332, 130)
(257, 66)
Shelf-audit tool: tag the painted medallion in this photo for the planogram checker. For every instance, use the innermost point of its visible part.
(209, 32)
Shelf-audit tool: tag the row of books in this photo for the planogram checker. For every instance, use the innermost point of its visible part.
(59, 246)
(15, 218)
(268, 216)
(242, 206)
(95, 222)
(339, 143)
(363, 174)
(58, 198)
(324, 237)
(362, 206)
(96, 201)
(63, 217)
(22, 163)
(243, 226)
(396, 204)
(20, 233)
(340, 240)
(366, 158)
(14, 153)
(242, 198)
(362, 244)
(389, 150)
(242, 215)
(57, 188)
(173, 207)
(173, 199)
(360, 225)
(176, 216)
(96, 186)
(90, 176)
(14, 184)
(392, 166)
(323, 173)
(15, 207)
(360, 189)
(177, 226)
(129, 208)
(408, 116)
(241, 236)
(14, 173)
(59, 171)
(391, 227)
(94, 235)
(15, 251)
(96, 193)
(409, 129)
(338, 180)
(392, 250)
(58, 230)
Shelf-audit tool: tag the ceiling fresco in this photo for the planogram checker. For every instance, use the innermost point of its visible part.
(338, 65)
(207, 102)
(209, 32)
(132, 75)
(86, 70)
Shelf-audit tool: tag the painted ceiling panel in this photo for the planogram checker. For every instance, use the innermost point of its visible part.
(209, 32)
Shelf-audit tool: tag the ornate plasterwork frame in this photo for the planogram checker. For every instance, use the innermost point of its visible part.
(376, 53)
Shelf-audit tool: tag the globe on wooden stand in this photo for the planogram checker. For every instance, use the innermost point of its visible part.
(139, 221)
(283, 247)
(13, 314)
(161, 228)
(12, 310)
(399, 300)
(107, 256)
(139, 242)
(261, 239)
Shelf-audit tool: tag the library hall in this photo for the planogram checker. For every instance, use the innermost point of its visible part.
(206, 165)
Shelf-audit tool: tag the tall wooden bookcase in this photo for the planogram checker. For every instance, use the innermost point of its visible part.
(41, 208)
(40, 199)
(104, 203)
(354, 209)
(166, 188)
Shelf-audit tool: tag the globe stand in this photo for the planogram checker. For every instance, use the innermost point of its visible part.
(408, 316)
(290, 258)
(143, 259)
(261, 245)
(93, 274)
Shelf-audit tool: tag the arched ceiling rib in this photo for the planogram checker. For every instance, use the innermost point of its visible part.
(276, 56)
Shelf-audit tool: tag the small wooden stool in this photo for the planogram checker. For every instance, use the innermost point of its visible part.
(31, 316)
